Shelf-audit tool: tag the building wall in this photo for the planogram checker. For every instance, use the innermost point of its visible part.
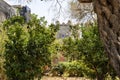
(64, 31)
(2, 17)
(6, 11)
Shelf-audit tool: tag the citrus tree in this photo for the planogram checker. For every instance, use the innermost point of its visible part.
(93, 52)
(89, 49)
(27, 50)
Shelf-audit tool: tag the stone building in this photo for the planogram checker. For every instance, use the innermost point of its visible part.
(6, 11)
(64, 31)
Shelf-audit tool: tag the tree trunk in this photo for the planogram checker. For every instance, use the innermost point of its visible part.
(108, 14)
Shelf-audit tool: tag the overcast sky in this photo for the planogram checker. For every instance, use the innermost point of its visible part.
(49, 9)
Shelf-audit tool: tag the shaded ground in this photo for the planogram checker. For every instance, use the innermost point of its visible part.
(63, 78)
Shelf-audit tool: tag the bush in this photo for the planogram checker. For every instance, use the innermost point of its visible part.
(71, 69)
(27, 50)
(2, 48)
(58, 70)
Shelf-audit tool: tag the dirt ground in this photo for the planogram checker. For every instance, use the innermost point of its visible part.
(63, 78)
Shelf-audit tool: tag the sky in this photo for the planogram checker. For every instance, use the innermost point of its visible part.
(48, 9)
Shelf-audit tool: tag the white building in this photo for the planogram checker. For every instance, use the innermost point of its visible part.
(65, 31)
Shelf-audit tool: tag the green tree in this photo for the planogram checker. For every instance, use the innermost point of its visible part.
(89, 49)
(75, 30)
(92, 49)
(27, 50)
(38, 46)
(108, 23)
(70, 50)
(2, 48)
(56, 51)
(15, 53)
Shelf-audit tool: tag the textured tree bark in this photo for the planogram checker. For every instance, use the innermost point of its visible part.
(108, 14)
(108, 17)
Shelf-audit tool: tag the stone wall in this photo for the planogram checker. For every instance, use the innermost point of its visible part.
(6, 11)
(64, 31)
(2, 17)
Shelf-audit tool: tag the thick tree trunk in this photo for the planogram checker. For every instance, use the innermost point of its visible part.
(108, 14)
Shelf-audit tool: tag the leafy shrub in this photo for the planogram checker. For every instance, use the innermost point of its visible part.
(27, 48)
(58, 70)
(2, 42)
(91, 47)
(74, 68)
(15, 54)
